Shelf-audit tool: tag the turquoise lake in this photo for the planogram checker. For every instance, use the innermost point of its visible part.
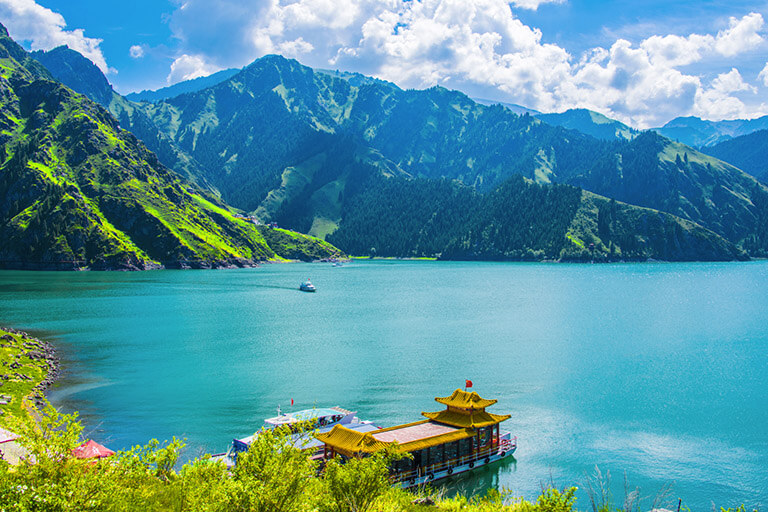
(659, 371)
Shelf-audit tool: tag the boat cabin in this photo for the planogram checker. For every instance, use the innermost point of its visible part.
(320, 419)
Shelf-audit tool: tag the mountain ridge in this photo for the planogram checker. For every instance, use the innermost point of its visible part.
(185, 86)
(591, 123)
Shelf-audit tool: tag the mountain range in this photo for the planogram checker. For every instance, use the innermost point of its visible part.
(379, 170)
(698, 132)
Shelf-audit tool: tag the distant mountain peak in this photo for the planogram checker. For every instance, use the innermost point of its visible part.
(274, 59)
(296, 145)
(517, 109)
(590, 123)
(186, 86)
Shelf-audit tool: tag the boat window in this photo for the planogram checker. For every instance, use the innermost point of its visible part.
(452, 450)
(402, 465)
(436, 455)
(485, 435)
(465, 447)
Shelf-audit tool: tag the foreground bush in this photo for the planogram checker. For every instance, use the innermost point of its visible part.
(272, 476)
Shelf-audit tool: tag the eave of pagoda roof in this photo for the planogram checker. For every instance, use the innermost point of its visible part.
(351, 443)
(465, 400)
(475, 419)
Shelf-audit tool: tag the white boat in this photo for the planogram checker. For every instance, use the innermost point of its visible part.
(307, 286)
(323, 420)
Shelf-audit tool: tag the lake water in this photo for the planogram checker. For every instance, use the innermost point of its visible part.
(656, 370)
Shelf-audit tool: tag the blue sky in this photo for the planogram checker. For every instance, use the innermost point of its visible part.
(643, 62)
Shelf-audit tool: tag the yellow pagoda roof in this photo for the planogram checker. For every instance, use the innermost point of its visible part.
(475, 419)
(437, 440)
(350, 441)
(465, 400)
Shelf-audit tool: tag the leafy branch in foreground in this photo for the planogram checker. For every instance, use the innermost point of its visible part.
(354, 485)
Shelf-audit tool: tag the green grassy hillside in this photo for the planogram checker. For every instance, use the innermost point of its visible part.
(76, 191)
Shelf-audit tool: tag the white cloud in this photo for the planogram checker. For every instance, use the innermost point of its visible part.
(480, 47)
(333, 14)
(136, 51)
(718, 101)
(673, 50)
(534, 4)
(188, 67)
(45, 29)
(764, 75)
(731, 82)
(741, 35)
(294, 48)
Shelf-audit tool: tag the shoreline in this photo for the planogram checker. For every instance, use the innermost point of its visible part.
(174, 265)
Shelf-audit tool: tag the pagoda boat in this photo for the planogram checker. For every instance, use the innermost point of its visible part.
(457, 439)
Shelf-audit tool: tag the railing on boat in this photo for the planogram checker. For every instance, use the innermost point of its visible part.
(494, 448)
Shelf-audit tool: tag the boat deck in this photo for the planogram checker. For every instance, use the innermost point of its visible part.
(410, 433)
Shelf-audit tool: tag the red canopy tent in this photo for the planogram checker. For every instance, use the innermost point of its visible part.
(92, 450)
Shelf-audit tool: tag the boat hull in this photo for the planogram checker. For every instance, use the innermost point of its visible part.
(428, 475)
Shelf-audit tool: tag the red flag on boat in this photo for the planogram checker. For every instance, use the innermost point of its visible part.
(291, 401)
(467, 383)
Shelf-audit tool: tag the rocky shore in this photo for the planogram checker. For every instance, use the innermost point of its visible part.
(29, 361)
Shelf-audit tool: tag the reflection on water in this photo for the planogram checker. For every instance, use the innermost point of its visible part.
(478, 481)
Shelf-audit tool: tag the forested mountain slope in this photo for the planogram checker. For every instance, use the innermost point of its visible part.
(76, 191)
(520, 220)
(747, 152)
